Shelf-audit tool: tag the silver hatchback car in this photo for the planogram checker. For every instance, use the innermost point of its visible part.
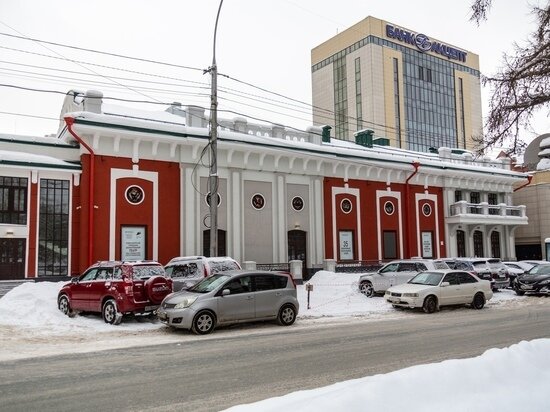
(232, 297)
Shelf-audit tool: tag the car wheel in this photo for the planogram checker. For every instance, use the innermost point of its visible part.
(367, 289)
(65, 306)
(430, 304)
(204, 323)
(287, 315)
(110, 313)
(519, 292)
(479, 301)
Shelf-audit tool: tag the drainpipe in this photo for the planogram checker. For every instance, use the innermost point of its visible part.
(70, 122)
(416, 165)
(529, 178)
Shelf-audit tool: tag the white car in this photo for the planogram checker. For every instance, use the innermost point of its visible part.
(395, 273)
(435, 288)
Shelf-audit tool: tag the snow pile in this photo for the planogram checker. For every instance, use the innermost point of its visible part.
(510, 379)
(337, 294)
(34, 306)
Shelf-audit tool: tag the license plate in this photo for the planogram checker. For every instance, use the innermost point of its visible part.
(150, 308)
(162, 316)
(526, 287)
(393, 299)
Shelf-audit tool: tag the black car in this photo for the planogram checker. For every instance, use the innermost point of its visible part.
(536, 280)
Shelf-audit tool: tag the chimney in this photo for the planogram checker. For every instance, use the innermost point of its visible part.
(93, 101)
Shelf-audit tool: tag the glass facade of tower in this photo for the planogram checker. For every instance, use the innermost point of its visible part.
(430, 117)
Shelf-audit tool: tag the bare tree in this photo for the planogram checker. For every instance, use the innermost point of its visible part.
(521, 87)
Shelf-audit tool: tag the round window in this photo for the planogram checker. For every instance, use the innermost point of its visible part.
(258, 201)
(346, 205)
(134, 195)
(208, 196)
(297, 203)
(426, 209)
(389, 208)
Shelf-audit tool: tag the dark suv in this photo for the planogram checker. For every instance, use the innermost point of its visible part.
(115, 288)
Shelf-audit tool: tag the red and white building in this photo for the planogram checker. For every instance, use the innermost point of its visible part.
(118, 183)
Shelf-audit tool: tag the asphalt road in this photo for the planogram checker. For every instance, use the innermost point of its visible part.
(249, 363)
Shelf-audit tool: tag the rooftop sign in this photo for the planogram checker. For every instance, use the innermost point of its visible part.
(424, 44)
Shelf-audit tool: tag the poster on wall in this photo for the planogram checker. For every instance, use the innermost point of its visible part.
(133, 243)
(346, 245)
(427, 251)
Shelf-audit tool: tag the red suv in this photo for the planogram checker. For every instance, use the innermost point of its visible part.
(115, 288)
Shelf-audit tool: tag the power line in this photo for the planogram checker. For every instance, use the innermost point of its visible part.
(30, 115)
(411, 133)
(102, 52)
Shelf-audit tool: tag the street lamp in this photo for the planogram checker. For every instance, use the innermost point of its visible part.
(213, 174)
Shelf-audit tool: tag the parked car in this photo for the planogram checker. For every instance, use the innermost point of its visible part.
(515, 269)
(115, 288)
(435, 288)
(536, 280)
(483, 269)
(499, 273)
(395, 273)
(186, 271)
(232, 297)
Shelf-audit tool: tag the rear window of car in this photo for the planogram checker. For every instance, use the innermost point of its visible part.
(145, 272)
(441, 265)
(480, 264)
(184, 270)
(218, 266)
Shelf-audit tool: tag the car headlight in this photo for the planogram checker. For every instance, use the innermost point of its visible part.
(185, 303)
(410, 295)
(544, 282)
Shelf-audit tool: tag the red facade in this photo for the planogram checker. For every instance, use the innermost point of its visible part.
(385, 222)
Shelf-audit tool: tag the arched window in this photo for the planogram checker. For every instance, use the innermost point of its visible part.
(495, 244)
(460, 243)
(478, 244)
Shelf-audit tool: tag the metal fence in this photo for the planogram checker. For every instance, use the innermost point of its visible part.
(358, 266)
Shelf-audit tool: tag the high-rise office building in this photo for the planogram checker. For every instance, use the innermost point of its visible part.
(412, 89)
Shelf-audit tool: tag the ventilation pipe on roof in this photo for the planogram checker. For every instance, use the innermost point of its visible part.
(93, 101)
(529, 178)
(70, 122)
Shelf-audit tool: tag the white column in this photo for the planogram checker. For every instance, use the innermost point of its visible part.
(280, 220)
(190, 212)
(235, 221)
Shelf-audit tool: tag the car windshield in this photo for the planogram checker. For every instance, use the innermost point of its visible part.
(209, 284)
(427, 278)
(539, 270)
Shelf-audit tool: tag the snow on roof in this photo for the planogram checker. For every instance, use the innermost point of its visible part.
(167, 123)
(32, 139)
(139, 114)
(7, 156)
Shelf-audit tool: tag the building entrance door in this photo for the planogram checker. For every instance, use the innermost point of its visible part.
(12, 258)
(297, 246)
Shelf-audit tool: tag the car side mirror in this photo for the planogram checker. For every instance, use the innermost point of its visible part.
(226, 292)
(74, 280)
(444, 284)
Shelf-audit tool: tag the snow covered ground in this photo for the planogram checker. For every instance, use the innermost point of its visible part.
(31, 325)
(512, 379)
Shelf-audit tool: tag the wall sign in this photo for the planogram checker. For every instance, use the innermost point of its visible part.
(132, 240)
(426, 209)
(258, 201)
(134, 195)
(424, 44)
(346, 244)
(345, 206)
(427, 250)
(297, 203)
(389, 208)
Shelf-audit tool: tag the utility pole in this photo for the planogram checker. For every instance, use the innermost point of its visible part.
(213, 174)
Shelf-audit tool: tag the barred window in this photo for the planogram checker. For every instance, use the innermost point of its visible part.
(13, 200)
(53, 230)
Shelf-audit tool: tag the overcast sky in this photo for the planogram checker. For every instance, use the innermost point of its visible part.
(263, 42)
